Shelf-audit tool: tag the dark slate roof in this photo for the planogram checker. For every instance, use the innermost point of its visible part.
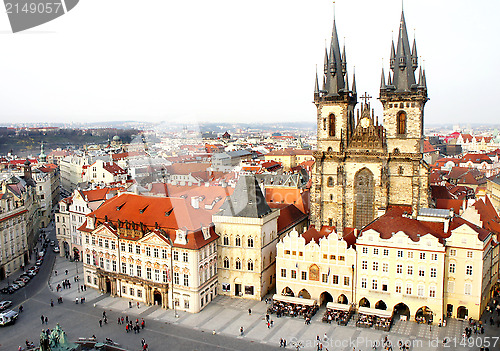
(334, 67)
(404, 77)
(247, 200)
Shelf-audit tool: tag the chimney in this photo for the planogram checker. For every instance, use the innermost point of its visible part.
(195, 202)
(27, 170)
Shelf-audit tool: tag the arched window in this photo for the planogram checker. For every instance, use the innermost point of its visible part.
(400, 171)
(226, 262)
(324, 123)
(330, 182)
(401, 123)
(226, 240)
(238, 263)
(250, 242)
(250, 265)
(331, 122)
(238, 241)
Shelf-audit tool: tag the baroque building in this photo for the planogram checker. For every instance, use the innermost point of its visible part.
(363, 167)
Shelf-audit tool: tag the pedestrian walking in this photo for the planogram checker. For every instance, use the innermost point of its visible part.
(119, 320)
(105, 320)
(126, 328)
(43, 319)
(130, 304)
(21, 308)
(66, 272)
(249, 311)
(143, 324)
(100, 323)
(138, 304)
(55, 272)
(126, 319)
(241, 331)
(46, 320)
(103, 314)
(143, 341)
(51, 303)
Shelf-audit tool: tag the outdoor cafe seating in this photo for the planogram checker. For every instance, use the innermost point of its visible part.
(339, 313)
(380, 319)
(293, 306)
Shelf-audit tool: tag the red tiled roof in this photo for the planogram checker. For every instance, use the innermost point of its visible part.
(440, 192)
(113, 168)
(187, 168)
(488, 215)
(448, 204)
(123, 155)
(289, 216)
(99, 194)
(428, 147)
(476, 158)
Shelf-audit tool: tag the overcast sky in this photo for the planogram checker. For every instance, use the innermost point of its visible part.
(232, 60)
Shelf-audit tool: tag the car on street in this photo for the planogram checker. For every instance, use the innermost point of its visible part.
(5, 304)
(8, 317)
(7, 290)
(56, 249)
(24, 279)
(15, 286)
(20, 282)
(39, 262)
(52, 243)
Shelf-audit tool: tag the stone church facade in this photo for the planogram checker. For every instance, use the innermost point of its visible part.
(363, 167)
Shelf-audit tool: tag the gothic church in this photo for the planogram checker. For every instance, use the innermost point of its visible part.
(364, 167)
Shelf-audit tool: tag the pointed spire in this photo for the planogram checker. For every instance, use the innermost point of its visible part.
(354, 92)
(404, 77)
(414, 57)
(344, 61)
(393, 54)
(382, 80)
(346, 87)
(334, 79)
(424, 79)
(389, 80)
(316, 84)
(326, 60)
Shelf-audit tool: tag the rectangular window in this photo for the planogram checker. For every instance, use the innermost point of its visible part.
(434, 257)
(131, 269)
(468, 270)
(88, 258)
(303, 275)
(113, 245)
(375, 266)
(346, 281)
(148, 251)
(186, 280)
(374, 284)
(410, 270)
(124, 268)
(400, 253)
(421, 272)
(287, 252)
(468, 289)
(422, 255)
(86, 237)
(364, 264)
(363, 283)
(469, 254)
(130, 248)
(138, 271)
(399, 268)
(433, 272)
(453, 252)
(176, 278)
(410, 254)
(335, 279)
(100, 242)
(157, 275)
(184, 257)
(156, 252)
(385, 267)
(332, 257)
(137, 249)
(283, 272)
(186, 304)
(398, 289)
(164, 254)
(420, 290)
(148, 273)
(408, 290)
(294, 274)
(375, 251)
(386, 252)
(165, 276)
(432, 291)
(124, 289)
(139, 293)
(384, 287)
(365, 250)
(176, 256)
(452, 267)
(324, 278)
(132, 291)
(341, 258)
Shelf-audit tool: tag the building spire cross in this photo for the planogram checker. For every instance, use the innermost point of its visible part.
(365, 97)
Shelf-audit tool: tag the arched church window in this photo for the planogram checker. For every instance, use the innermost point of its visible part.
(226, 240)
(330, 181)
(250, 265)
(401, 121)
(238, 263)
(238, 241)
(226, 262)
(250, 242)
(331, 121)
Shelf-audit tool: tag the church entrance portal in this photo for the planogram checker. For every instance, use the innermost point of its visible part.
(157, 298)
(364, 198)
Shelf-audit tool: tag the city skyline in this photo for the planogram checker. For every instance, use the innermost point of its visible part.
(226, 61)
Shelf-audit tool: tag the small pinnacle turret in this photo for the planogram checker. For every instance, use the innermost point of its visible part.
(382, 80)
(354, 83)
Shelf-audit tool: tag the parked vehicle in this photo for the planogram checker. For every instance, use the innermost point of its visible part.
(5, 304)
(8, 317)
(20, 282)
(52, 243)
(39, 262)
(56, 249)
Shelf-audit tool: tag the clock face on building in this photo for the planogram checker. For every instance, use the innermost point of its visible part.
(365, 122)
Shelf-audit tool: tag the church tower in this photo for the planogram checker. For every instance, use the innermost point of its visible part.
(403, 99)
(362, 167)
(335, 104)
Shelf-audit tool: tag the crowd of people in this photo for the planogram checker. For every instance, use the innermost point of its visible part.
(341, 317)
(383, 323)
(281, 308)
(368, 321)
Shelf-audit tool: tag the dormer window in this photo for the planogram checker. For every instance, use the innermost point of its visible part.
(180, 237)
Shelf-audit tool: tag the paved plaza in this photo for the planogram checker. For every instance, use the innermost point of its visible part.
(225, 316)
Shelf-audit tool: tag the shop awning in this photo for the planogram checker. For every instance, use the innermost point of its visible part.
(375, 312)
(338, 306)
(295, 300)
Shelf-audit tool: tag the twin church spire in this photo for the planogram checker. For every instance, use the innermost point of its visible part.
(401, 78)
